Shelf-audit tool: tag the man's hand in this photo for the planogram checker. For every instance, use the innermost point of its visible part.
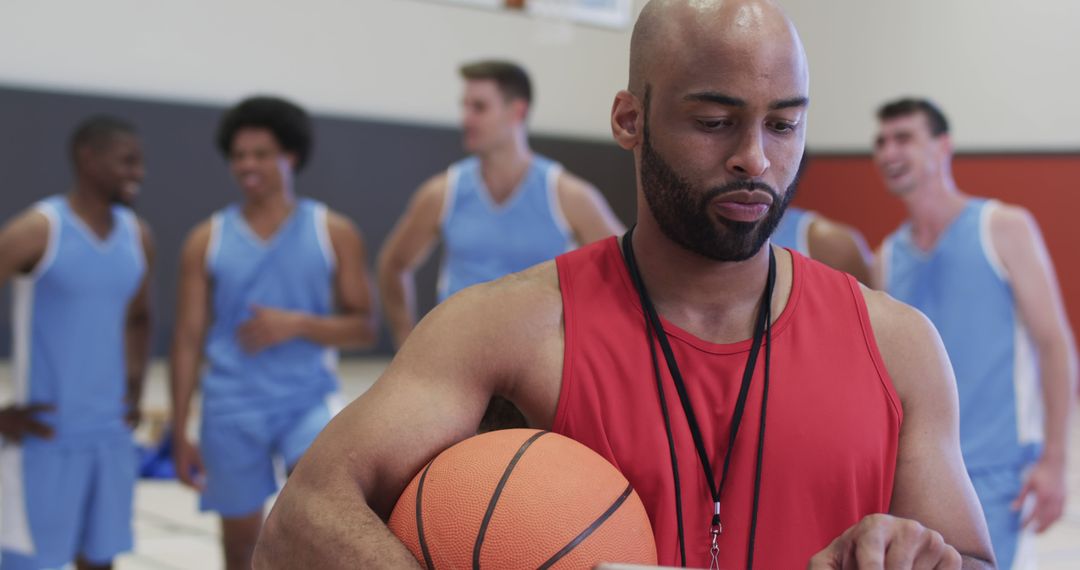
(132, 406)
(268, 327)
(17, 421)
(1046, 482)
(188, 463)
(133, 417)
(884, 541)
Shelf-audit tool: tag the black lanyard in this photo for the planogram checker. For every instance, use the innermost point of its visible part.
(762, 330)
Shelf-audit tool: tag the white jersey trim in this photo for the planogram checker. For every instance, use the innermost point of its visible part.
(802, 233)
(217, 222)
(15, 533)
(22, 295)
(53, 243)
(1029, 404)
(453, 175)
(322, 233)
(132, 222)
(986, 240)
(558, 215)
(335, 402)
(886, 261)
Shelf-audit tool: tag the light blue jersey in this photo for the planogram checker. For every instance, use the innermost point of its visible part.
(291, 271)
(71, 495)
(793, 232)
(961, 285)
(484, 241)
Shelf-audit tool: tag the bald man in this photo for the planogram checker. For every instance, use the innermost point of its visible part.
(863, 464)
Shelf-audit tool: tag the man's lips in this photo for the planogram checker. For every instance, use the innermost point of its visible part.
(740, 212)
(743, 205)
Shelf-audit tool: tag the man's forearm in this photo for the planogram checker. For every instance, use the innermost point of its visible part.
(399, 301)
(137, 353)
(328, 530)
(183, 377)
(1057, 365)
(342, 331)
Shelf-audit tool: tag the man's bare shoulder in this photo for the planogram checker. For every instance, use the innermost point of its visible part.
(573, 185)
(1011, 224)
(196, 244)
(505, 336)
(23, 241)
(434, 188)
(832, 234)
(908, 342)
(29, 225)
(200, 234)
(529, 297)
(892, 319)
(343, 230)
(506, 322)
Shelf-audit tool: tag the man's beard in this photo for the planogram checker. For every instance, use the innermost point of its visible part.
(682, 211)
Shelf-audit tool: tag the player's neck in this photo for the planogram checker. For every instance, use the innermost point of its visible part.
(92, 208)
(714, 300)
(932, 209)
(504, 167)
(266, 213)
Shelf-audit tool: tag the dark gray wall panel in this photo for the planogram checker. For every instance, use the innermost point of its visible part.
(364, 169)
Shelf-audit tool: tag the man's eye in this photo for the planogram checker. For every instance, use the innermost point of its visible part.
(714, 124)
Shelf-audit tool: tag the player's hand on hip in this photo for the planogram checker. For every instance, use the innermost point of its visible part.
(18, 421)
(133, 415)
(1046, 483)
(267, 327)
(885, 542)
(188, 463)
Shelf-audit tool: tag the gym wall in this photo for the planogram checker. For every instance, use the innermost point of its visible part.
(1000, 69)
(381, 77)
(848, 188)
(365, 169)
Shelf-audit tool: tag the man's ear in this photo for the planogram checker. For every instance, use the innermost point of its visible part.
(521, 109)
(627, 120)
(945, 144)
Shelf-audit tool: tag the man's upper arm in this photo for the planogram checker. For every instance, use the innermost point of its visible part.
(23, 241)
(140, 304)
(193, 307)
(415, 234)
(585, 209)
(931, 484)
(432, 395)
(352, 286)
(877, 270)
(1030, 271)
(840, 247)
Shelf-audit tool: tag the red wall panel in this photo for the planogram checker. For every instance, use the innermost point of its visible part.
(848, 189)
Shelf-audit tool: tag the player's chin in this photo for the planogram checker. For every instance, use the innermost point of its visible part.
(125, 197)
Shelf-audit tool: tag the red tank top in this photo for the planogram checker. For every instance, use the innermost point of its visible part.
(833, 416)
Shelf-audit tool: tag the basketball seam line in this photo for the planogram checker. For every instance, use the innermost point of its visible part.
(495, 496)
(420, 519)
(591, 529)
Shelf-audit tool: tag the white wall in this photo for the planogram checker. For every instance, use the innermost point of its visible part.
(377, 58)
(1007, 72)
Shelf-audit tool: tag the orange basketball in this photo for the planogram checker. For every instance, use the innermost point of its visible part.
(522, 498)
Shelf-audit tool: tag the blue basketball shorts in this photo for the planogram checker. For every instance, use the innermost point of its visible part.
(240, 449)
(63, 500)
